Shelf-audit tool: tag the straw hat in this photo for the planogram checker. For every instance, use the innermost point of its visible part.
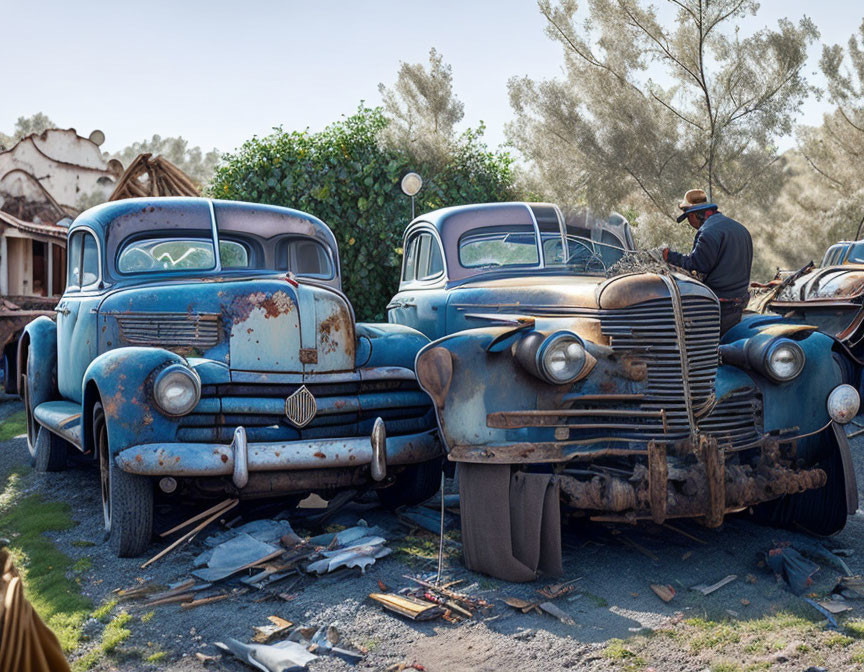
(694, 200)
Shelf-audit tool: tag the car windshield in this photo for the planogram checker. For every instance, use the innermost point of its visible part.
(152, 255)
(583, 254)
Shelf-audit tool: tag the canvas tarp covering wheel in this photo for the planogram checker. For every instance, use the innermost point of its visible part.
(26, 643)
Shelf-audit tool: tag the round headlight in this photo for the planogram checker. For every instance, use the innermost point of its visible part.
(177, 390)
(785, 360)
(843, 403)
(561, 358)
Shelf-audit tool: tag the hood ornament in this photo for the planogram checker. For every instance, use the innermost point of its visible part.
(301, 407)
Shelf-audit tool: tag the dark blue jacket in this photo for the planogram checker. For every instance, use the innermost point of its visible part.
(723, 253)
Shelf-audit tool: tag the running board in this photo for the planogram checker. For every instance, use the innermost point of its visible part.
(61, 417)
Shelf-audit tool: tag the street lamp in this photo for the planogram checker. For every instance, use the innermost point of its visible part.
(411, 184)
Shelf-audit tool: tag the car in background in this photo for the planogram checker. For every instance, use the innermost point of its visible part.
(207, 346)
(546, 360)
(830, 296)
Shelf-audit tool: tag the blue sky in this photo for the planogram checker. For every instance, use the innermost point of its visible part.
(217, 72)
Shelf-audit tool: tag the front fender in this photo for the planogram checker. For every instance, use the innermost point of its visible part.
(40, 340)
(122, 380)
(384, 344)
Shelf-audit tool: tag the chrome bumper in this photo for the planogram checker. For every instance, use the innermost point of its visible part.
(241, 458)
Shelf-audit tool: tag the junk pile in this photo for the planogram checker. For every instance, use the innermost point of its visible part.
(265, 553)
(153, 176)
(645, 261)
(427, 600)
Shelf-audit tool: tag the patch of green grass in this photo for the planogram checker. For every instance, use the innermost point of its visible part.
(12, 426)
(725, 667)
(43, 567)
(82, 565)
(857, 656)
(803, 648)
(712, 635)
(101, 614)
(596, 600)
(838, 641)
(146, 618)
(157, 657)
(617, 649)
(370, 644)
(82, 543)
(854, 628)
(114, 634)
(759, 667)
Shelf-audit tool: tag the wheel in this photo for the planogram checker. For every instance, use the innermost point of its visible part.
(821, 511)
(50, 452)
(32, 425)
(127, 499)
(10, 375)
(415, 484)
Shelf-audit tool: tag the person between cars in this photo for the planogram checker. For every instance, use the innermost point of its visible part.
(722, 253)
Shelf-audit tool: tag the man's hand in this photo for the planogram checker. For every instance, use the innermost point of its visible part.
(665, 254)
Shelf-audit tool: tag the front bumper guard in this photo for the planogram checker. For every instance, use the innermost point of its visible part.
(238, 459)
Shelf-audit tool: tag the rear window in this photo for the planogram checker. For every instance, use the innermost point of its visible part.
(158, 255)
(499, 246)
(305, 257)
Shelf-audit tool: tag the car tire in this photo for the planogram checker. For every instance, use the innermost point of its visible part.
(127, 499)
(30, 420)
(10, 379)
(822, 511)
(50, 451)
(415, 484)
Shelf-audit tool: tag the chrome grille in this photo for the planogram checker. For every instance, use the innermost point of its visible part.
(343, 409)
(647, 332)
(200, 330)
(733, 422)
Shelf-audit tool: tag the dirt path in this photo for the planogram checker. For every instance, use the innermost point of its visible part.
(612, 601)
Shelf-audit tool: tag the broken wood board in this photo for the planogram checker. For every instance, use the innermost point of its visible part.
(707, 590)
(411, 607)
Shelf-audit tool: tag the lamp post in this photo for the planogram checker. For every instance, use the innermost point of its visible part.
(411, 184)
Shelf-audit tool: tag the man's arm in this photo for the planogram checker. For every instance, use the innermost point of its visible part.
(703, 258)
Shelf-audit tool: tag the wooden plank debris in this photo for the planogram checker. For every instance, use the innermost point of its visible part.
(189, 535)
(224, 505)
(707, 590)
(411, 607)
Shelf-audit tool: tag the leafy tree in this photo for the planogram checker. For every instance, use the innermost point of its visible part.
(28, 125)
(348, 176)
(193, 161)
(423, 110)
(610, 136)
(834, 151)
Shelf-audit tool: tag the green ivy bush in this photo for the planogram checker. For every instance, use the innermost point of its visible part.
(346, 176)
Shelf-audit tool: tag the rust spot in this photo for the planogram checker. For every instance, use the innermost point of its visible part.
(320, 455)
(138, 458)
(224, 458)
(328, 330)
(176, 459)
(308, 356)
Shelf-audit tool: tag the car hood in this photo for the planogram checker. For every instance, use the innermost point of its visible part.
(561, 294)
(257, 324)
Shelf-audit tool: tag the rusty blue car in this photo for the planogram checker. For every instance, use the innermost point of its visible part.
(556, 369)
(205, 347)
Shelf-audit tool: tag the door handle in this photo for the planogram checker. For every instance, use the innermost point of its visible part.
(61, 309)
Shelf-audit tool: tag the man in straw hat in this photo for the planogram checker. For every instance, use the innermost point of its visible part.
(722, 253)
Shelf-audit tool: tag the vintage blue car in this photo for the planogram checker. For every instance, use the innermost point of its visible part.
(207, 346)
(614, 389)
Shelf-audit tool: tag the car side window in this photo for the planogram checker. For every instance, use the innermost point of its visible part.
(436, 261)
(74, 261)
(423, 260)
(411, 248)
(89, 261)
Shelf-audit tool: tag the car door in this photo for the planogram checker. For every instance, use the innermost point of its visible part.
(418, 304)
(77, 330)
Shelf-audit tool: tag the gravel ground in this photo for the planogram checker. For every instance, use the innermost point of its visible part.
(612, 599)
